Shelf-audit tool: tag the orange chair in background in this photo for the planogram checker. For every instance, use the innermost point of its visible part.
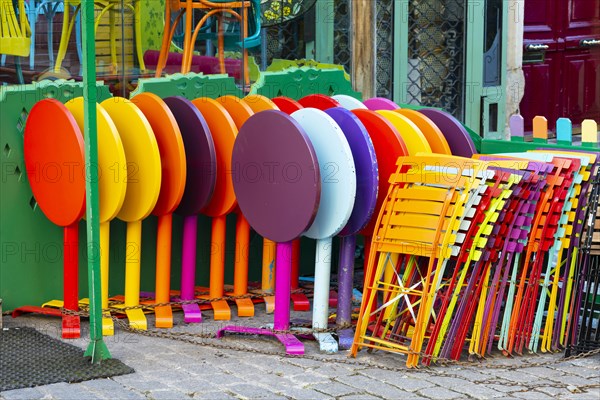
(219, 9)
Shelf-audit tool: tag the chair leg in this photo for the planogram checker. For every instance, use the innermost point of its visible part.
(78, 38)
(32, 15)
(19, 70)
(166, 40)
(138, 35)
(64, 38)
(113, 42)
(221, 41)
(188, 46)
(245, 69)
(50, 12)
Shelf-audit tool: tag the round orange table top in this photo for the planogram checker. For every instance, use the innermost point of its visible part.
(170, 146)
(258, 103)
(434, 135)
(238, 109)
(223, 131)
(54, 161)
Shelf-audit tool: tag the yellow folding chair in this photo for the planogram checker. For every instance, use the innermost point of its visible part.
(415, 234)
(15, 33)
(104, 6)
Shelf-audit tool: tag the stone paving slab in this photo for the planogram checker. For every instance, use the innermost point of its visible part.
(169, 369)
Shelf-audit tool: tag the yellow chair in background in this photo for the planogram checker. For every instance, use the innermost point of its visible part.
(15, 33)
(104, 7)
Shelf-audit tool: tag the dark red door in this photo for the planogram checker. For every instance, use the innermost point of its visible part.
(566, 83)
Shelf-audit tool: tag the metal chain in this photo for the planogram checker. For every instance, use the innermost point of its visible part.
(193, 338)
(306, 329)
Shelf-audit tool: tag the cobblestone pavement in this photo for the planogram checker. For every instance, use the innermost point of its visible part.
(171, 369)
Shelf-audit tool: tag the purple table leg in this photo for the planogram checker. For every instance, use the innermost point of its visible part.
(345, 286)
(281, 319)
(188, 269)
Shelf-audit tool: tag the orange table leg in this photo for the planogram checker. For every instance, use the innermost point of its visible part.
(217, 269)
(240, 274)
(268, 274)
(164, 314)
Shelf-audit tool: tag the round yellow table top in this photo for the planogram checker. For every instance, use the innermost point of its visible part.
(112, 184)
(143, 170)
(413, 138)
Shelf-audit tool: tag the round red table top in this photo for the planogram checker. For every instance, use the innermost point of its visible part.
(54, 160)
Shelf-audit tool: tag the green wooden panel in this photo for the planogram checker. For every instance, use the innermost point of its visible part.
(191, 86)
(517, 144)
(299, 82)
(279, 65)
(31, 246)
(31, 250)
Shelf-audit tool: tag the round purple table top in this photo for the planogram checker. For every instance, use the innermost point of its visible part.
(456, 135)
(200, 156)
(365, 162)
(380, 103)
(279, 187)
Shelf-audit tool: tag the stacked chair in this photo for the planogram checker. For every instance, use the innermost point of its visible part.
(494, 250)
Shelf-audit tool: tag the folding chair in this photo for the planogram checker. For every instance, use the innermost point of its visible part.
(582, 215)
(15, 33)
(481, 231)
(585, 307)
(105, 6)
(418, 225)
(518, 216)
(541, 239)
(217, 8)
(563, 236)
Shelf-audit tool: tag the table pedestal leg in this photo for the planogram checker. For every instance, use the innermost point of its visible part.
(163, 314)
(217, 269)
(281, 319)
(188, 269)
(133, 253)
(70, 323)
(345, 286)
(321, 296)
(245, 307)
(108, 328)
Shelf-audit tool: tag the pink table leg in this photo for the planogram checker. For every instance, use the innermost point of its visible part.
(188, 269)
(281, 319)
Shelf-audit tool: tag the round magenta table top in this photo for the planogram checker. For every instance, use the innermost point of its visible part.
(279, 185)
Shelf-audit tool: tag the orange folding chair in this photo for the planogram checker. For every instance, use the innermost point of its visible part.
(219, 9)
